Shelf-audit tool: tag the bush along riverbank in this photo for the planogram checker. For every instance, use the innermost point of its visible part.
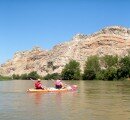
(107, 67)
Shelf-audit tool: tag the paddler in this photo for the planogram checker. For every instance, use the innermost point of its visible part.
(58, 84)
(38, 84)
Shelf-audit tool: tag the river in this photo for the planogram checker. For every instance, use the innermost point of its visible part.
(94, 100)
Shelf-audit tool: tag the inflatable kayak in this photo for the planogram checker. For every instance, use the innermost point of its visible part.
(52, 89)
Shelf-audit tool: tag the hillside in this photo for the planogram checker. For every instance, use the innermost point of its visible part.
(114, 40)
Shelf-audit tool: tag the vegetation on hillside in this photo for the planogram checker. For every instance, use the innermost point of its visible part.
(107, 67)
(92, 66)
(33, 75)
(53, 76)
(5, 77)
(71, 71)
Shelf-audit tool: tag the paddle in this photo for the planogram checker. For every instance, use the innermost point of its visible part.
(32, 79)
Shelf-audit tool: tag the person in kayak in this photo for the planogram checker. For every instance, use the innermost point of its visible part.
(38, 84)
(58, 84)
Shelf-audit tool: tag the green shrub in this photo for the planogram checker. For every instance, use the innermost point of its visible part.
(33, 75)
(109, 61)
(53, 76)
(71, 71)
(92, 63)
(24, 76)
(16, 76)
(100, 75)
(89, 75)
(5, 77)
(111, 73)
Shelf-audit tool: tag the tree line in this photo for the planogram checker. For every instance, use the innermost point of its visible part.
(107, 67)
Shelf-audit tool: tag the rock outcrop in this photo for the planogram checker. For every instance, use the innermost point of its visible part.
(113, 40)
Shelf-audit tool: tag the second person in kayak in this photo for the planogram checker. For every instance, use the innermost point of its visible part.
(58, 84)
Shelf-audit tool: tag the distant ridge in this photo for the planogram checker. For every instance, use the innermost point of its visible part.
(113, 40)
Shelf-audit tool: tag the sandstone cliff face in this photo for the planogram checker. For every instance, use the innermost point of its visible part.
(113, 40)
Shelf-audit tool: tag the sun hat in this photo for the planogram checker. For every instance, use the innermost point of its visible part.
(38, 79)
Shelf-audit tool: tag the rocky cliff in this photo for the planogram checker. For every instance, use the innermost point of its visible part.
(113, 40)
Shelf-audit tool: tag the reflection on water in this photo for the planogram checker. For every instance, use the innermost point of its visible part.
(95, 100)
(40, 97)
(37, 97)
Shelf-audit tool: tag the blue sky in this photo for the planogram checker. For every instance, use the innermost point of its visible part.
(45, 23)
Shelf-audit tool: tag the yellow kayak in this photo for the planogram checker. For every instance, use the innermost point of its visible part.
(69, 88)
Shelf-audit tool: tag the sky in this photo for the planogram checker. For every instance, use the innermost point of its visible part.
(46, 23)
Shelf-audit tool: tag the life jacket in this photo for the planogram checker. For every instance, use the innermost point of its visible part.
(38, 85)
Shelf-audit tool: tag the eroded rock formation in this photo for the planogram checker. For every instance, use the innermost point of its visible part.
(113, 40)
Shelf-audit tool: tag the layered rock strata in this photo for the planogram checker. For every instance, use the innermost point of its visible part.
(113, 40)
